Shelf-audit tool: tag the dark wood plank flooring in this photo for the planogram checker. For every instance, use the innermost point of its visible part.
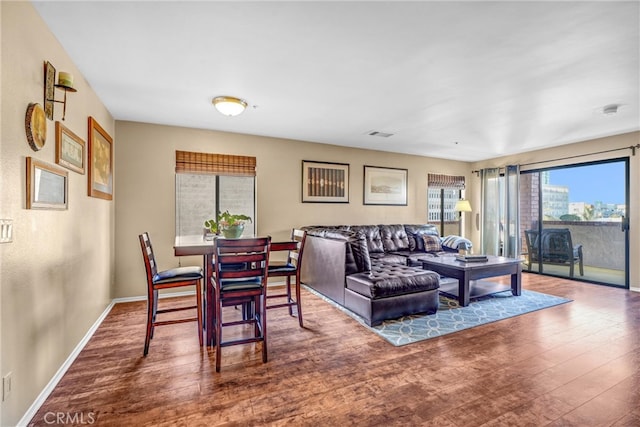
(577, 364)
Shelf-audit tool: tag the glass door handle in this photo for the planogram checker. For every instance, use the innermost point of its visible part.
(625, 224)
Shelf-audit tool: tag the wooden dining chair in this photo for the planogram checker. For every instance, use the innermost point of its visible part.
(240, 279)
(289, 269)
(173, 278)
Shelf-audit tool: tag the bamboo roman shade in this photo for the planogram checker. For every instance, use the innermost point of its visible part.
(436, 180)
(215, 164)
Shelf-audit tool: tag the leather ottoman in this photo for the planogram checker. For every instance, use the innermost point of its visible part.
(390, 291)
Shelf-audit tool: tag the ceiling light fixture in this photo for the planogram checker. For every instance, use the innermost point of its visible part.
(229, 105)
(378, 133)
(610, 110)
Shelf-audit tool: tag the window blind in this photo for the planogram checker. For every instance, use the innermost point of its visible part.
(436, 180)
(215, 164)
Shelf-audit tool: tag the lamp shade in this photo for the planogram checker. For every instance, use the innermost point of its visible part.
(463, 205)
(229, 105)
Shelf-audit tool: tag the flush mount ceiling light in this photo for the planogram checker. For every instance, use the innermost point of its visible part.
(378, 133)
(610, 110)
(229, 105)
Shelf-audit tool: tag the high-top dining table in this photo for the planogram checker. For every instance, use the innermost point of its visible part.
(197, 245)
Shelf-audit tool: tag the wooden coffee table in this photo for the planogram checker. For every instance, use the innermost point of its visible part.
(468, 275)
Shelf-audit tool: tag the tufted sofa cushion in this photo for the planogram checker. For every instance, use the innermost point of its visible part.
(372, 235)
(386, 280)
(392, 257)
(394, 237)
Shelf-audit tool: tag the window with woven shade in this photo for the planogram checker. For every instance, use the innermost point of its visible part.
(207, 183)
(443, 191)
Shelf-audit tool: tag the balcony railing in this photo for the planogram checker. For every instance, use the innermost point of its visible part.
(603, 243)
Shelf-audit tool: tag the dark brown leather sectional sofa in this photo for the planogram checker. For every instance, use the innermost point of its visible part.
(373, 270)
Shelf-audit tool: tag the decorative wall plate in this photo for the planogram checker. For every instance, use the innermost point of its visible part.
(35, 124)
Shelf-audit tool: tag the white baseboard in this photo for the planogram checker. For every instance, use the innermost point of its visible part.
(634, 289)
(51, 385)
(42, 397)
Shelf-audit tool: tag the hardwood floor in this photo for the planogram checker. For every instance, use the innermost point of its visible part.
(576, 364)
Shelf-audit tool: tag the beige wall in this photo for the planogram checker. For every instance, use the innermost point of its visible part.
(57, 274)
(548, 156)
(146, 160)
(1, 212)
(63, 268)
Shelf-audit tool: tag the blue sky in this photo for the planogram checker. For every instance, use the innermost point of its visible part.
(602, 182)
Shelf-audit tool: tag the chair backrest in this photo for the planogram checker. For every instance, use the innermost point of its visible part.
(556, 245)
(295, 255)
(531, 237)
(242, 258)
(149, 259)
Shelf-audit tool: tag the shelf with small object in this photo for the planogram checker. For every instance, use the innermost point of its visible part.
(65, 84)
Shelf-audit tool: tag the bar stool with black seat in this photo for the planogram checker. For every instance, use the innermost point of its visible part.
(173, 278)
(289, 269)
(240, 279)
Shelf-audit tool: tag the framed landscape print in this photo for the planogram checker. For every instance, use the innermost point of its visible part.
(100, 162)
(47, 185)
(325, 182)
(69, 149)
(385, 186)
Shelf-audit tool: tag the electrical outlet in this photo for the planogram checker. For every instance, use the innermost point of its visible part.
(6, 386)
(6, 230)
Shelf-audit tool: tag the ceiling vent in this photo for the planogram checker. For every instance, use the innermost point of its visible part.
(382, 134)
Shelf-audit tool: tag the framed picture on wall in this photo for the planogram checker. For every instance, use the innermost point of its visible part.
(385, 186)
(69, 149)
(100, 162)
(324, 182)
(47, 185)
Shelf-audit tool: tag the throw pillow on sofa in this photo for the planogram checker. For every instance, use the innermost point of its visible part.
(453, 243)
(419, 240)
(431, 243)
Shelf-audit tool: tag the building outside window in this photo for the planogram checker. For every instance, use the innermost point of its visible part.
(210, 183)
(443, 191)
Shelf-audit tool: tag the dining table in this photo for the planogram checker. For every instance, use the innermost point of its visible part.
(199, 245)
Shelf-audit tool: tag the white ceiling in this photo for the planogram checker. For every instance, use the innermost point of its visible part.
(457, 80)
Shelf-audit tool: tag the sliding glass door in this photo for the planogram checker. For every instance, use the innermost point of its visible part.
(573, 221)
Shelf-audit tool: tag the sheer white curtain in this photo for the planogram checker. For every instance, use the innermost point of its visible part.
(490, 231)
(500, 211)
(512, 243)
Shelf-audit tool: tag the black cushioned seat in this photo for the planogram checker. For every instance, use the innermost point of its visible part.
(390, 291)
(387, 280)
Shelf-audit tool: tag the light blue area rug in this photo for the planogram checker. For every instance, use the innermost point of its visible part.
(450, 317)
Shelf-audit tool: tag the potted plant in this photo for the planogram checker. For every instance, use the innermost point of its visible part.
(230, 225)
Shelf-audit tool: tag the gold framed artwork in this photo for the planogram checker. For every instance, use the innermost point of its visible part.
(100, 162)
(69, 149)
(385, 186)
(47, 186)
(324, 182)
(35, 125)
